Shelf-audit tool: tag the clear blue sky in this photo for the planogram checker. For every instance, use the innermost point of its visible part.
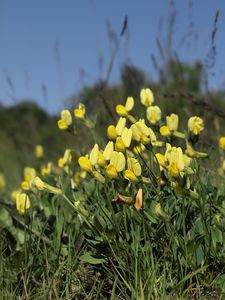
(53, 42)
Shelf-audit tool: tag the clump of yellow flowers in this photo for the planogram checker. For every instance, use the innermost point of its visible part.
(133, 143)
(138, 151)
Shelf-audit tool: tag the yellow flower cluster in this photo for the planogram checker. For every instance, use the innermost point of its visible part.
(135, 147)
(119, 158)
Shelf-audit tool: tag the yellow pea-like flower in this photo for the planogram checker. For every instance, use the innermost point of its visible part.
(66, 159)
(160, 159)
(38, 151)
(126, 137)
(153, 114)
(66, 120)
(119, 145)
(108, 151)
(129, 103)
(123, 110)
(114, 131)
(94, 155)
(120, 126)
(129, 175)
(29, 173)
(222, 142)
(111, 132)
(172, 122)
(142, 133)
(41, 185)
(117, 164)
(195, 125)
(173, 170)
(89, 164)
(22, 203)
(25, 185)
(101, 159)
(171, 126)
(46, 169)
(118, 160)
(79, 112)
(175, 161)
(147, 97)
(164, 131)
(134, 165)
(111, 171)
(133, 169)
(85, 164)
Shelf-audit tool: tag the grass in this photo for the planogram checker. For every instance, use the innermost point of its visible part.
(85, 244)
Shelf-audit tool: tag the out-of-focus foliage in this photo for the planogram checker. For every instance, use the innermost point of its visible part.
(21, 128)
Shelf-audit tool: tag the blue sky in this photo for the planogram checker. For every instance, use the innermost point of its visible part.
(58, 43)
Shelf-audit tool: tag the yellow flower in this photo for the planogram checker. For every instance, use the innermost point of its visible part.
(117, 164)
(124, 141)
(142, 133)
(2, 182)
(195, 125)
(147, 97)
(172, 122)
(22, 203)
(164, 131)
(94, 155)
(133, 169)
(25, 185)
(120, 126)
(153, 114)
(63, 162)
(65, 121)
(119, 145)
(160, 159)
(123, 110)
(89, 164)
(171, 127)
(108, 151)
(85, 164)
(41, 185)
(46, 169)
(101, 159)
(79, 112)
(193, 153)
(222, 142)
(29, 173)
(38, 151)
(175, 161)
(111, 132)
(126, 137)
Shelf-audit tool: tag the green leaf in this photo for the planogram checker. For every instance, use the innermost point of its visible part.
(88, 258)
(5, 218)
